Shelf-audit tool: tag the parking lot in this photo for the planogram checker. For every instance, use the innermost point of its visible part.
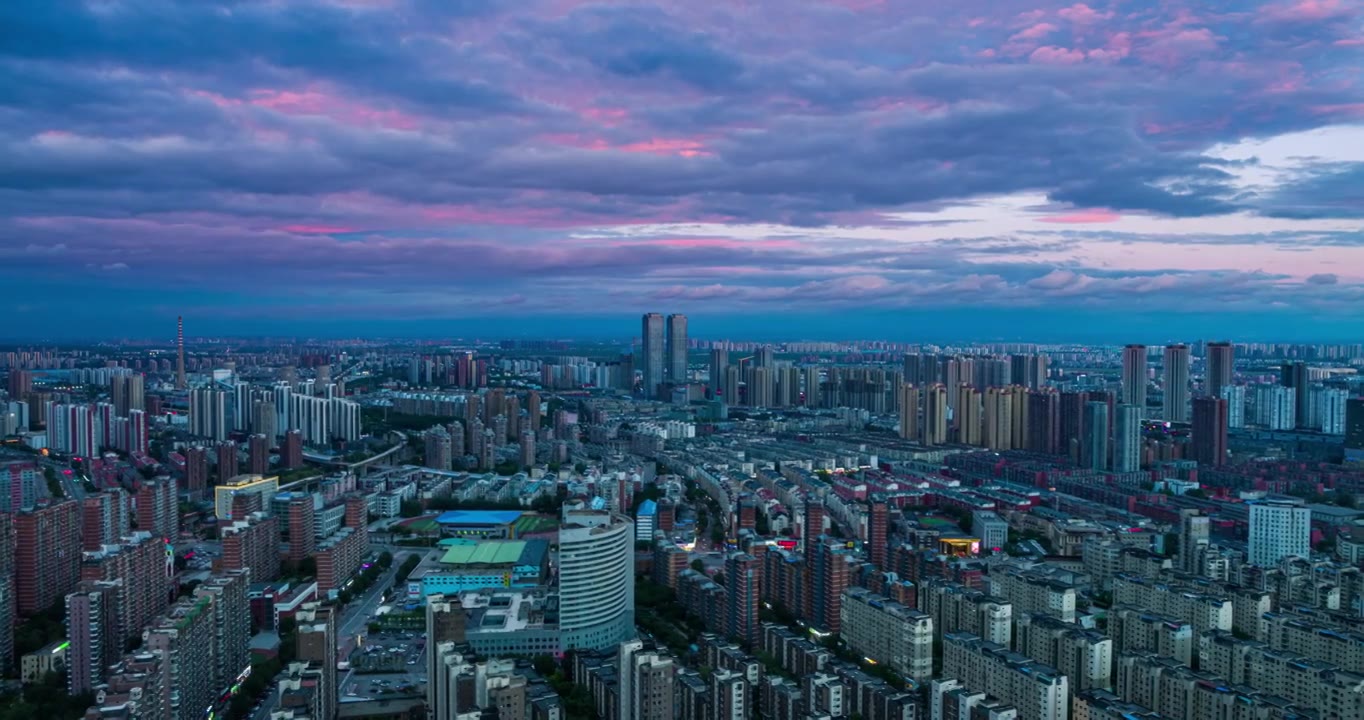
(390, 663)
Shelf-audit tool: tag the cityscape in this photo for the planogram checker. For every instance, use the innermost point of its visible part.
(665, 526)
(681, 360)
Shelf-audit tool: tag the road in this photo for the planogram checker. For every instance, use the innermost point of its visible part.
(357, 614)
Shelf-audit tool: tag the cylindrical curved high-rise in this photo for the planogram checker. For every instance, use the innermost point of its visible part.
(596, 580)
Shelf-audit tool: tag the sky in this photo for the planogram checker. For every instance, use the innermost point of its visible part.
(905, 169)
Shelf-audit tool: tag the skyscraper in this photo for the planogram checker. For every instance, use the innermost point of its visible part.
(935, 416)
(1295, 376)
(909, 411)
(1279, 529)
(1354, 429)
(1176, 382)
(1209, 439)
(878, 526)
(596, 580)
(208, 413)
(652, 349)
(1134, 376)
(1126, 438)
(1220, 371)
(1094, 448)
(999, 414)
(719, 361)
(180, 383)
(742, 575)
(1235, 395)
(676, 371)
(258, 453)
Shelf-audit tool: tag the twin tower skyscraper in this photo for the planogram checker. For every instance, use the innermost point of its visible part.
(664, 361)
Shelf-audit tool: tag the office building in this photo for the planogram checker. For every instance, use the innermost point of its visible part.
(992, 530)
(1209, 439)
(1134, 377)
(719, 363)
(596, 580)
(652, 350)
(1126, 438)
(223, 495)
(1279, 529)
(1175, 381)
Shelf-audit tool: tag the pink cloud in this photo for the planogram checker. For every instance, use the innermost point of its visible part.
(1173, 45)
(1349, 42)
(1346, 109)
(1035, 32)
(1082, 14)
(682, 147)
(1052, 55)
(1308, 11)
(1094, 215)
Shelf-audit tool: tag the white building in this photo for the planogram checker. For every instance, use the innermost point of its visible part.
(1275, 407)
(1331, 410)
(596, 580)
(1279, 529)
(1235, 395)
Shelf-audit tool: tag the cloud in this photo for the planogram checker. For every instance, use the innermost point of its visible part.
(369, 152)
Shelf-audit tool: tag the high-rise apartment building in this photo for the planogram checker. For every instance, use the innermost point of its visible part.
(1094, 447)
(1038, 691)
(208, 413)
(196, 469)
(676, 371)
(231, 619)
(646, 682)
(999, 414)
(1279, 529)
(301, 528)
(1134, 376)
(92, 631)
(1354, 429)
(1194, 529)
(653, 351)
(743, 574)
(252, 543)
(719, 362)
(1126, 438)
(185, 639)
(1296, 377)
(292, 450)
(1235, 395)
(935, 416)
(1176, 383)
(158, 510)
(878, 527)
(829, 577)
(1220, 371)
(317, 645)
(889, 633)
(47, 555)
(909, 411)
(1209, 438)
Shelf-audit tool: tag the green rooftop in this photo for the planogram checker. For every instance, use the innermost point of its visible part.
(489, 552)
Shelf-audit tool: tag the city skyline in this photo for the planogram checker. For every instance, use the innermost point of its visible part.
(1060, 163)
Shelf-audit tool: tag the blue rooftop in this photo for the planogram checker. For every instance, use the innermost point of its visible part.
(648, 507)
(478, 517)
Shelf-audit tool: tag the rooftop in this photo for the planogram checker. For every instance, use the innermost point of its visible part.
(478, 517)
(495, 552)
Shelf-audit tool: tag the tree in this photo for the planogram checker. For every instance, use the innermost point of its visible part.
(698, 566)
(580, 468)
(545, 665)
